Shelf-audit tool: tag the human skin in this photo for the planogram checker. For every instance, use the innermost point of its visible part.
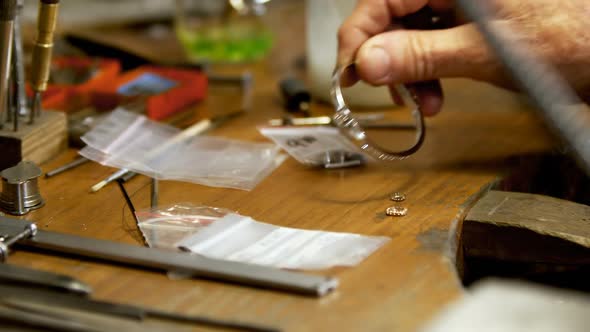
(557, 31)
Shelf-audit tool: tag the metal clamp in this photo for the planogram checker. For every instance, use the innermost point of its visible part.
(351, 127)
(29, 232)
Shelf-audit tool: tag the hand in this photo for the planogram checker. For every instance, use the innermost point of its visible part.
(556, 30)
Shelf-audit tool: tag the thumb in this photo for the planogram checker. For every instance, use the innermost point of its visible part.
(403, 56)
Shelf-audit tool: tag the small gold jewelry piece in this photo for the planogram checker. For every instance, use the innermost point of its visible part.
(397, 197)
(396, 211)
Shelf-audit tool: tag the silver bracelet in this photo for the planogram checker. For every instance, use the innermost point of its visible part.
(351, 128)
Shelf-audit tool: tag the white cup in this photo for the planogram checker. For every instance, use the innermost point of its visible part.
(323, 20)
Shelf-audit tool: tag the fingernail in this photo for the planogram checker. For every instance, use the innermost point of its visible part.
(375, 64)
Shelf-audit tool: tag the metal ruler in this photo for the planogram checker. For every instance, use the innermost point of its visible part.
(235, 272)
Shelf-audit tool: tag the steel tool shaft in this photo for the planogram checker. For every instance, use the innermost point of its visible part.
(7, 14)
(12, 274)
(77, 162)
(49, 299)
(42, 52)
(155, 259)
(18, 69)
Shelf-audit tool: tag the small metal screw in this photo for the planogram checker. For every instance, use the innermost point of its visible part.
(396, 211)
(397, 197)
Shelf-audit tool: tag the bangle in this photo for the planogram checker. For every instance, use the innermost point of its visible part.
(351, 128)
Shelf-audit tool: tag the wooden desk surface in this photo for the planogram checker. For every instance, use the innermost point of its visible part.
(396, 289)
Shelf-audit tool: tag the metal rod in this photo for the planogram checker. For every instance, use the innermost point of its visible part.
(35, 107)
(13, 274)
(154, 193)
(18, 68)
(128, 176)
(71, 165)
(156, 259)
(14, 101)
(121, 310)
(25, 318)
(556, 100)
(7, 14)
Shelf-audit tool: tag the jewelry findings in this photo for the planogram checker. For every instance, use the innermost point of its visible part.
(396, 211)
(397, 197)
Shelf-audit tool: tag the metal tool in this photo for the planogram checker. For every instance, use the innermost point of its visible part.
(16, 275)
(20, 189)
(154, 191)
(42, 52)
(7, 14)
(71, 165)
(36, 320)
(18, 70)
(29, 231)
(127, 177)
(155, 259)
(61, 300)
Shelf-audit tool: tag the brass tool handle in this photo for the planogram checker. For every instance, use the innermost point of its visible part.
(42, 51)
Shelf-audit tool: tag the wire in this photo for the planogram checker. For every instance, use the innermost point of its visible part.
(131, 208)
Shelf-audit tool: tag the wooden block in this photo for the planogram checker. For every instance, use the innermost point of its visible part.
(528, 236)
(543, 215)
(38, 143)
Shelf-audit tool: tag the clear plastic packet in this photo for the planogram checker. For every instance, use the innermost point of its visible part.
(165, 227)
(223, 234)
(131, 141)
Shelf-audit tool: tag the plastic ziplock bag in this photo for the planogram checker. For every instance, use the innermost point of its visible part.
(222, 234)
(165, 227)
(127, 140)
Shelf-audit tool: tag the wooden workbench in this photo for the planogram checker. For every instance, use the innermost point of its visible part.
(397, 289)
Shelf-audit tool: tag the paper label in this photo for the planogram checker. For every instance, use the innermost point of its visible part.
(309, 145)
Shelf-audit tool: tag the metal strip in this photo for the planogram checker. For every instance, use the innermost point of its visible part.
(41, 297)
(35, 278)
(240, 273)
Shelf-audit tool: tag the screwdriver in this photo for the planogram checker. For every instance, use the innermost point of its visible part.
(42, 50)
